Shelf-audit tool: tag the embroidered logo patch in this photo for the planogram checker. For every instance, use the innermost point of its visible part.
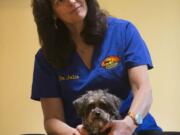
(68, 77)
(110, 62)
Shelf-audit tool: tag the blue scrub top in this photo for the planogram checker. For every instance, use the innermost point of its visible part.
(121, 49)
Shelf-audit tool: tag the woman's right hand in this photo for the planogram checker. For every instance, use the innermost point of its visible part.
(56, 127)
(71, 131)
(54, 124)
(81, 130)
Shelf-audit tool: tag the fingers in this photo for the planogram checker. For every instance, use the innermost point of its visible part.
(108, 125)
(81, 130)
(76, 133)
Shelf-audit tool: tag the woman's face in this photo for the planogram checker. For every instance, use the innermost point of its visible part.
(70, 11)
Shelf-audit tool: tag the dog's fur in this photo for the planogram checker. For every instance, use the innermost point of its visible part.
(97, 108)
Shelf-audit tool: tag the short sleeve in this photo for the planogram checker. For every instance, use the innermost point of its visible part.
(45, 82)
(136, 52)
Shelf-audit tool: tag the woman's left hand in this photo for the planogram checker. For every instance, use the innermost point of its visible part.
(121, 127)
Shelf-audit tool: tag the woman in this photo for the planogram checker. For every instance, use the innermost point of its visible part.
(83, 49)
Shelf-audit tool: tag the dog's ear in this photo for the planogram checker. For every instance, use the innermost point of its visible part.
(117, 101)
(79, 106)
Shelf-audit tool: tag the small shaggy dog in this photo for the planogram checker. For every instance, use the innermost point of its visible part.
(97, 108)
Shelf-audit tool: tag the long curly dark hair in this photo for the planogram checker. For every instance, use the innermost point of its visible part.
(54, 36)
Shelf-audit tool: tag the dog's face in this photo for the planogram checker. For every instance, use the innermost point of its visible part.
(96, 109)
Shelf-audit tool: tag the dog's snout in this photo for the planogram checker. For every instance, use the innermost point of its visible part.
(97, 114)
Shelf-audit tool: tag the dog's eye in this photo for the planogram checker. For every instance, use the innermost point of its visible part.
(103, 106)
(90, 107)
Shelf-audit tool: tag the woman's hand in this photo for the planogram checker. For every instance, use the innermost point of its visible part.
(121, 127)
(71, 131)
(81, 130)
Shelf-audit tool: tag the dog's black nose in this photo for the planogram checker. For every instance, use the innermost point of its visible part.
(97, 114)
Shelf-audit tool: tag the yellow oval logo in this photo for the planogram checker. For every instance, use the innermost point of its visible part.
(110, 62)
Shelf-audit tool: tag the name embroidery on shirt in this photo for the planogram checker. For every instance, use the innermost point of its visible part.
(68, 77)
(110, 62)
